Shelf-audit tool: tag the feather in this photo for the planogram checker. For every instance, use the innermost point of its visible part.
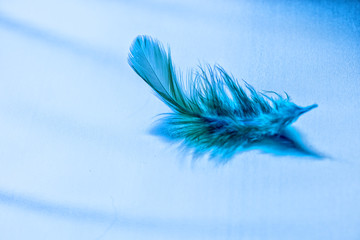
(216, 112)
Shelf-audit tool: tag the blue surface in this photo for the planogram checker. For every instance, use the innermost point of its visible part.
(78, 161)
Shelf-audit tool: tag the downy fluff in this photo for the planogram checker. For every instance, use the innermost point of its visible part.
(211, 112)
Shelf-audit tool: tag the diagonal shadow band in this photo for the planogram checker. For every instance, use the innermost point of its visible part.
(57, 40)
(67, 212)
(54, 209)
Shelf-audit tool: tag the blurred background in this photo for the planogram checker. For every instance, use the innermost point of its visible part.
(77, 160)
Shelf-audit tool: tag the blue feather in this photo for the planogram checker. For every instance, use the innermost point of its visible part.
(216, 112)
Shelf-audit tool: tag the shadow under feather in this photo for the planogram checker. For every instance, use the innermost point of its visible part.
(288, 143)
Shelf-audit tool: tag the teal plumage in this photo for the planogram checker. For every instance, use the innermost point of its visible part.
(214, 112)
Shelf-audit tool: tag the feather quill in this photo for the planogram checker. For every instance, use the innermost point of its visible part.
(216, 112)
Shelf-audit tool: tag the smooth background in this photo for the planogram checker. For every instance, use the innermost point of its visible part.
(76, 157)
